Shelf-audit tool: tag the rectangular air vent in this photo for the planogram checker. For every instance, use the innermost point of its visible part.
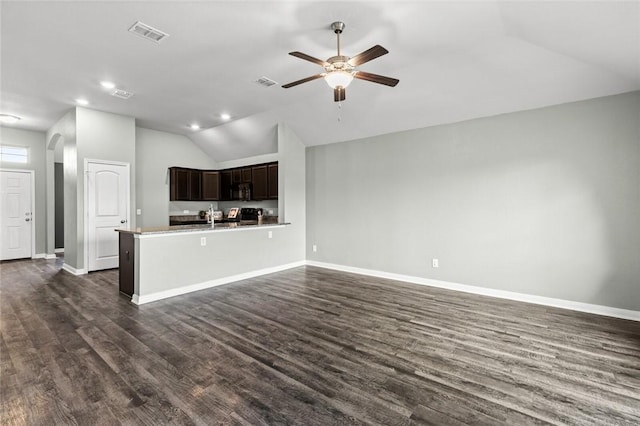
(266, 82)
(148, 32)
(122, 94)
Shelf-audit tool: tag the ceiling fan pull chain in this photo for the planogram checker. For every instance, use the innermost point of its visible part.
(340, 111)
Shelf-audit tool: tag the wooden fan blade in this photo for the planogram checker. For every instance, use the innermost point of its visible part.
(375, 78)
(304, 80)
(309, 58)
(375, 52)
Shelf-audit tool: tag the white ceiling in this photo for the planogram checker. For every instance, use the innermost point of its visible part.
(455, 61)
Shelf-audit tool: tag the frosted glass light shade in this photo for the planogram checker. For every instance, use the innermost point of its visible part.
(338, 78)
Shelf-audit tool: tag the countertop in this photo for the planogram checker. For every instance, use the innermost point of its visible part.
(198, 228)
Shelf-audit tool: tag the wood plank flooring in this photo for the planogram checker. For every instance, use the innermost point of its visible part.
(306, 346)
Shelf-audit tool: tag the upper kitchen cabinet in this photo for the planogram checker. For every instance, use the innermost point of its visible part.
(185, 184)
(272, 172)
(224, 185)
(260, 180)
(226, 179)
(210, 185)
(241, 175)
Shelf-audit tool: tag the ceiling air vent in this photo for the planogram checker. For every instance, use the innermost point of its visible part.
(148, 32)
(266, 82)
(122, 94)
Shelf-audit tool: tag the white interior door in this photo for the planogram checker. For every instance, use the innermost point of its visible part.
(16, 217)
(107, 210)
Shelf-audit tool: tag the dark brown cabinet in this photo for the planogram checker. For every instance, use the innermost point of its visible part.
(259, 178)
(260, 182)
(226, 180)
(241, 175)
(185, 184)
(273, 181)
(126, 263)
(196, 185)
(210, 186)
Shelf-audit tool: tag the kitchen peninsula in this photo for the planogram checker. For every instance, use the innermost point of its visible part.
(161, 262)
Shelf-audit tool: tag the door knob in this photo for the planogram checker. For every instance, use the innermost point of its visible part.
(27, 220)
(123, 221)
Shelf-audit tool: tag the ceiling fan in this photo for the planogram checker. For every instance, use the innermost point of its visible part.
(340, 70)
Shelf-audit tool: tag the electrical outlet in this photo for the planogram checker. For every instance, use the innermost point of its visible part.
(185, 211)
(435, 263)
(270, 234)
(138, 212)
(203, 241)
(270, 212)
(315, 248)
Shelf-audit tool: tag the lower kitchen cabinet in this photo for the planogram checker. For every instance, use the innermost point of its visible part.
(126, 263)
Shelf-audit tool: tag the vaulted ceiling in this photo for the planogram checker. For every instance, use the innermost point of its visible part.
(455, 61)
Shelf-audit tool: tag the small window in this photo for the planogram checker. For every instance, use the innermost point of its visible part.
(14, 154)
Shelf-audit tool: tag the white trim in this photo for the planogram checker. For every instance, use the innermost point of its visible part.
(33, 205)
(72, 270)
(502, 294)
(86, 200)
(58, 250)
(50, 256)
(39, 256)
(139, 300)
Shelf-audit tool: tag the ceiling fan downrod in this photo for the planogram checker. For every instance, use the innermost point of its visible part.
(337, 28)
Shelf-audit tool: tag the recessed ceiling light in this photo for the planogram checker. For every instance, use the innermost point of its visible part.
(9, 119)
(82, 102)
(194, 127)
(225, 116)
(107, 84)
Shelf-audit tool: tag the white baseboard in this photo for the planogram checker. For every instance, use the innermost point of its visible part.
(73, 270)
(147, 298)
(502, 294)
(44, 256)
(58, 250)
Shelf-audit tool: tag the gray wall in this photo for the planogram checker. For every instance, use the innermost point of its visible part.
(35, 141)
(541, 202)
(59, 204)
(101, 136)
(157, 151)
(63, 133)
(177, 260)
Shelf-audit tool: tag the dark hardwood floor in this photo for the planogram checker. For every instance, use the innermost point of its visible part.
(306, 346)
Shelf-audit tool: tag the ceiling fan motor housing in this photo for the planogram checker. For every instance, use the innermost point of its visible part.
(339, 63)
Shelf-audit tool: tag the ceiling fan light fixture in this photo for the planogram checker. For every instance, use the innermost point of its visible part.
(338, 78)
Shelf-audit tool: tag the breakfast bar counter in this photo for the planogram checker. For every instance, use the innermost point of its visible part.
(166, 261)
(227, 226)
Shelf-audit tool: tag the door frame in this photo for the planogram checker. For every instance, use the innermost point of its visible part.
(33, 204)
(86, 201)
